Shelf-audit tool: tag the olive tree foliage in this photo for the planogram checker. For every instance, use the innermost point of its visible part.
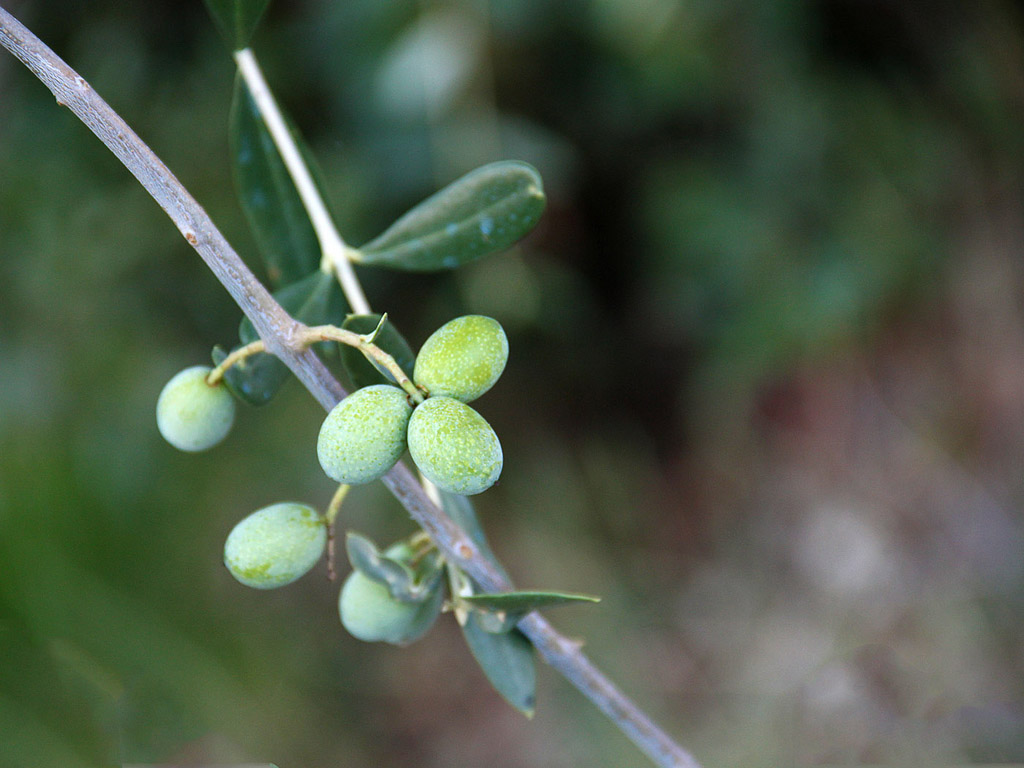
(314, 309)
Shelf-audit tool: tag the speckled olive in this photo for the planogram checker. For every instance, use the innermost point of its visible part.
(454, 447)
(364, 435)
(275, 545)
(193, 415)
(463, 358)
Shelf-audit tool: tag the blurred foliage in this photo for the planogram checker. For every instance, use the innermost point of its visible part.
(765, 393)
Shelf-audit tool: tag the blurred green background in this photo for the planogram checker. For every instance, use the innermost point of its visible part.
(765, 394)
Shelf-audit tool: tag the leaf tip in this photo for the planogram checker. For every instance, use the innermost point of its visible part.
(528, 706)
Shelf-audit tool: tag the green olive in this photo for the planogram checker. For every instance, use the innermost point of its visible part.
(463, 358)
(275, 545)
(370, 613)
(454, 447)
(364, 435)
(193, 415)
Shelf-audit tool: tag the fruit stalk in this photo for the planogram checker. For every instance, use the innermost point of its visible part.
(241, 353)
(371, 350)
(284, 338)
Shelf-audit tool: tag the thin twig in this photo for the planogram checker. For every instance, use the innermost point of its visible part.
(283, 338)
(333, 248)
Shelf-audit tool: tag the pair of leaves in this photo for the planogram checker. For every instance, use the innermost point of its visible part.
(506, 658)
(411, 576)
(392, 569)
(503, 652)
(483, 212)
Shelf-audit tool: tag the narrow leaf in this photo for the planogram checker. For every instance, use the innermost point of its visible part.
(485, 211)
(272, 205)
(520, 603)
(363, 372)
(237, 19)
(507, 660)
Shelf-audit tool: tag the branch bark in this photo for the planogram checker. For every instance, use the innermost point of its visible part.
(283, 337)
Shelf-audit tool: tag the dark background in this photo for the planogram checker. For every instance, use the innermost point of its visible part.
(765, 393)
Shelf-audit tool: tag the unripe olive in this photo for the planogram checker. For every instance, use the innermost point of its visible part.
(454, 446)
(364, 435)
(463, 358)
(370, 613)
(275, 545)
(191, 414)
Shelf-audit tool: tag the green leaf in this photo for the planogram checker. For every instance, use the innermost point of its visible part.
(314, 300)
(410, 585)
(272, 205)
(237, 19)
(365, 373)
(507, 660)
(485, 211)
(503, 653)
(254, 380)
(520, 603)
(365, 557)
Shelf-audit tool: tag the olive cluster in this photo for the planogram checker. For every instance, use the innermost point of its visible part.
(453, 445)
(360, 440)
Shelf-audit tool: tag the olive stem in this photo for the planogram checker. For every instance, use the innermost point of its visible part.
(334, 251)
(313, 335)
(335, 505)
(371, 350)
(252, 348)
(283, 337)
(333, 508)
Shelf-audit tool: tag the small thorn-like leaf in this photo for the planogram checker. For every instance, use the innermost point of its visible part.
(485, 211)
(364, 372)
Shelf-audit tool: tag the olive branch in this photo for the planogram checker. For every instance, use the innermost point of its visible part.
(288, 340)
